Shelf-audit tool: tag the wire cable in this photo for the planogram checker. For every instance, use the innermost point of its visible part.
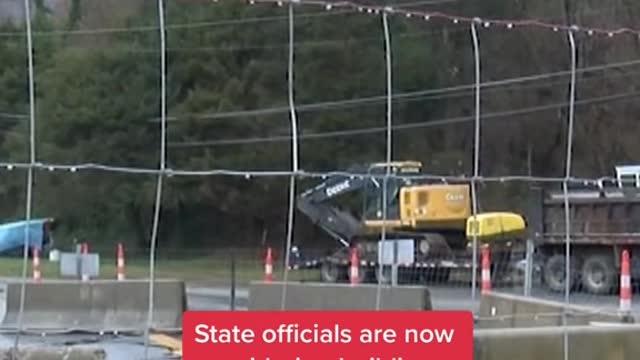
(249, 174)
(382, 98)
(429, 94)
(13, 115)
(409, 126)
(347, 7)
(456, 19)
(180, 26)
(272, 46)
(422, 3)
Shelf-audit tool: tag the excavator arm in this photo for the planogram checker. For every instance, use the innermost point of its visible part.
(314, 203)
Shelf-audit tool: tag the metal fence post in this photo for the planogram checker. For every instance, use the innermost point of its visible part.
(79, 261)
(233, 280)
(528, 271)
(394, 265)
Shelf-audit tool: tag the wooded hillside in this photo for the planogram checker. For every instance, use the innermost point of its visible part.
(98, 102)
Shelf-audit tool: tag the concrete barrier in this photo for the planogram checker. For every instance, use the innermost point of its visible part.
(613, 342)
(93, 306)
(321, 296)
(63, 353)
(512, 311)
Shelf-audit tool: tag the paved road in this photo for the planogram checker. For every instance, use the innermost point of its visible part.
(117, 348)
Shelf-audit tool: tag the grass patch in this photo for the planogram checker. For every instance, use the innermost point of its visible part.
(206, 269)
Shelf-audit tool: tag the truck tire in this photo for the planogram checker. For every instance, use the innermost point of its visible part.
(364, 273)
(332, 272)
(386, 274)
(599, 274)
(437, 276)
(405, 275)
(554, 273)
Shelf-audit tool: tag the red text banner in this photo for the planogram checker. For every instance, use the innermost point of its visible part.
(328, 335)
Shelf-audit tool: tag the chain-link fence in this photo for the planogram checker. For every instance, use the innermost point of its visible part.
(210, 140)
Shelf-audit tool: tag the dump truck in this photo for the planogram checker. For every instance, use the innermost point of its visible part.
(427, 230)
(604, 221)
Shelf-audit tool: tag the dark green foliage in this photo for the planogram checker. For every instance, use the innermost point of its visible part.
(98, 102)
(75, 13)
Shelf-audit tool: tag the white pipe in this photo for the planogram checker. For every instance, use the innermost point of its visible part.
(567, 213)
(295, 160)
(476, 158)
(387, 42)
(32, 158)
(158, 200)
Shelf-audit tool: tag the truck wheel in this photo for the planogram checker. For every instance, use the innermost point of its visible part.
(598, 274)
(386, 274)
(363, 274)
(554, 273)
(437, 276)
(331, 272)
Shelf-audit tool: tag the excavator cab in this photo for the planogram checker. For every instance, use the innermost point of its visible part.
(414, 204)
(373, 209)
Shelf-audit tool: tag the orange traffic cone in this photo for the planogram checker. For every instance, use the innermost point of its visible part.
(268, 267)
(85, 251)
(486, 270)
(354, 267)
(625, 283)
(120, 264)
(36, 264)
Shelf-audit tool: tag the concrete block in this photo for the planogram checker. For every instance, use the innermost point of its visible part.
(613, 342)
(94, 306)
(321, 296)
(512, 311)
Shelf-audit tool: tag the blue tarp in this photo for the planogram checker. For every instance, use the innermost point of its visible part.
(12, 235)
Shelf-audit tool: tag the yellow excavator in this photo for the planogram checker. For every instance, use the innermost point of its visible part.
(428, 226)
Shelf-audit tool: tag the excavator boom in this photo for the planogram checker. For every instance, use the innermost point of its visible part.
(340, 224)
